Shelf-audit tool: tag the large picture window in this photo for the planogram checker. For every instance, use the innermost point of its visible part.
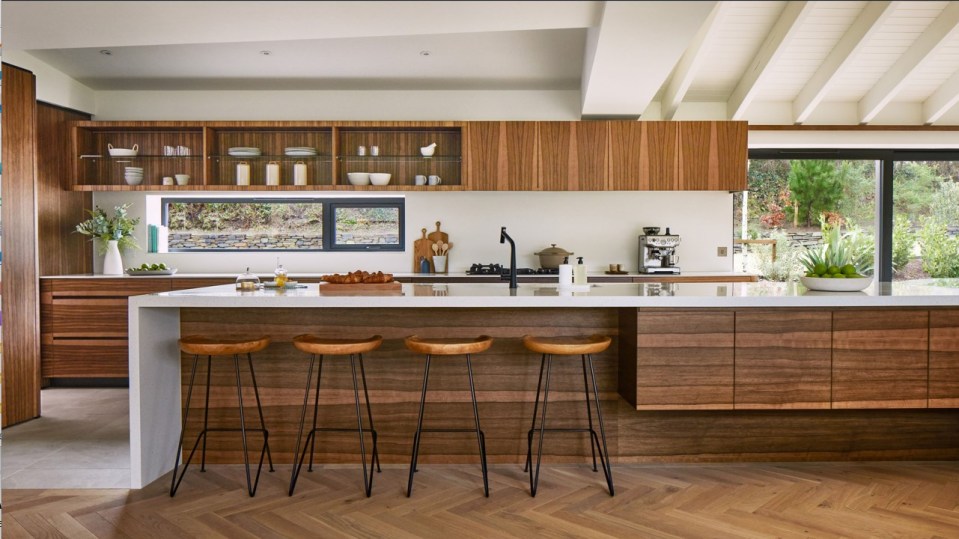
(283, 224)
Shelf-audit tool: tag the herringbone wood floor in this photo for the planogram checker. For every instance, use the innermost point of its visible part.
(818, 500)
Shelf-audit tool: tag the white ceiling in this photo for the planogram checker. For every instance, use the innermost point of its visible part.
(845, 62)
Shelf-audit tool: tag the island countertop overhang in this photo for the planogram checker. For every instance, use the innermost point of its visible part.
(930, 293)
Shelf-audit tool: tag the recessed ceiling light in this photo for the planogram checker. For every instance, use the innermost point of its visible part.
(425, 53)
(266, 53)
(106, 52)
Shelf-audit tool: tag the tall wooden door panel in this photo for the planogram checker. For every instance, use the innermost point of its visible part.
(944, 359)
(880, 358)
(694, 153)
(783, 359)
(684, 360)
(661, 148)
(572, 155)
(628, 159)
(731, 157)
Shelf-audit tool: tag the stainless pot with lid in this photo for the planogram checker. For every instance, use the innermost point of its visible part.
(552, 257)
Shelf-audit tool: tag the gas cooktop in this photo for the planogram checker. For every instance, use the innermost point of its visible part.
(499, 269)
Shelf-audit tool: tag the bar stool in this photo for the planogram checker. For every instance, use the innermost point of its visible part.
(319, 347)
(448, 347)
(199, 345)
(583, 347)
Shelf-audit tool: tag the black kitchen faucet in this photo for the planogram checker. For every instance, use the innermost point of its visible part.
(503, 238)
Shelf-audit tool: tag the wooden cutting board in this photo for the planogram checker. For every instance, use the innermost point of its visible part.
(363, 289)
(422, 247)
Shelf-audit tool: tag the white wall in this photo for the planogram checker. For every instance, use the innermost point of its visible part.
(52, 85)
(601, 227)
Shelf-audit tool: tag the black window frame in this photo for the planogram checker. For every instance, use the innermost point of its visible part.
(884, 189)
(330, 204)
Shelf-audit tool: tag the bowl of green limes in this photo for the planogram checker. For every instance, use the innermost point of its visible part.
(835, 279)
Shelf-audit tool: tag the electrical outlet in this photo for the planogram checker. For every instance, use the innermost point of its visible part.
(721, 251)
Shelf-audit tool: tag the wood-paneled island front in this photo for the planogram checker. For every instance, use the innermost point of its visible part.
(697, 371)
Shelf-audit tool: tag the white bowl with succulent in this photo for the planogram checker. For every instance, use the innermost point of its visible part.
(832, 266)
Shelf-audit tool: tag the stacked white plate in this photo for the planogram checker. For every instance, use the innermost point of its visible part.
(244, 151)
(133, 175)
(300, 151)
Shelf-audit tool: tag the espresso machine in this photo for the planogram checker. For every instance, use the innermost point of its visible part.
(657, 252)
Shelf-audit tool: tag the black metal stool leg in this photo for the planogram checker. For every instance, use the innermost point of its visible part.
(480, 438)
(259, 409)
(604, 455)
(316, 411)
(593, 444)
(419, 427)
(369, 413)
(239, 394)
(529, 435)
(367, 478)
(299, 433)
(534, 478)
(179, 448)
(206, 412)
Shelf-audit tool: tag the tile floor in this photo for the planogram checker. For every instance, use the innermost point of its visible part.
(81, 441)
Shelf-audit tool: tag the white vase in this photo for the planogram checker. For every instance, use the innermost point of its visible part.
(112, 263)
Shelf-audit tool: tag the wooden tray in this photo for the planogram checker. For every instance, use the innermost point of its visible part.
(362, 289)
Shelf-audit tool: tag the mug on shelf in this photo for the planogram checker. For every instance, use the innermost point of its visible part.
(435, 180)
(168, 180)
(420, 179)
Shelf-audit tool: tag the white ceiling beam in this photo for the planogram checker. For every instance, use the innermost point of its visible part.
(840, 58)
(772, 48)
(943, 99)
(691, 62)
(885, 90)
(632, 51)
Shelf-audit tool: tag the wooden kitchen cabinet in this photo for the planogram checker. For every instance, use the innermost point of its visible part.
(272, 142)
(880, 358)
(573, 155)
(944, 358)
(502, 156)
(684, 359)
(96, 170)
(783, 359)
(399, 155)
(83, 325)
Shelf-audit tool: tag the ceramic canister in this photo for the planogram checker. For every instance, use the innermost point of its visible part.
(243, 173)
(299, 173)
(273, 173)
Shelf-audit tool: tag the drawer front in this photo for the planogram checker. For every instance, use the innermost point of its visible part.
(85, 358)
(107, 287)
(104, 317)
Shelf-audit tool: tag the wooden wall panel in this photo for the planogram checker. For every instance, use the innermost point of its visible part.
(732, 157)
(944, 358)
(521, 156)
(880, 358)
(485, 167)
(661, 147)
(21, 310)
(628, 158)
(592, 151)
(783, 359)
(685, 359)
(559, 158)
(693, 156)
(61, 250)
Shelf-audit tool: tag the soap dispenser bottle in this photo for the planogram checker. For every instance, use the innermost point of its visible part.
(579, 272)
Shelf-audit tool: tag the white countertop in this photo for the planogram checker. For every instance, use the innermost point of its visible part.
(938, 292)
(296, 275)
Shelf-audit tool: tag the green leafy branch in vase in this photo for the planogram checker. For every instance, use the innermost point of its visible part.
(119, 227)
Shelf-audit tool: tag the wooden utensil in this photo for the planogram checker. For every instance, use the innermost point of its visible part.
(439, 237)
(422, 249)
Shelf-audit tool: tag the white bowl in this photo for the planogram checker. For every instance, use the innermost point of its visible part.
(123, 152)
(836, 285)
(134, 181)
(380, 178)
(358, 178)
(427, 151)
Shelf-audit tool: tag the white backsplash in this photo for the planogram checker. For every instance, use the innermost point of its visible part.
(600, 226)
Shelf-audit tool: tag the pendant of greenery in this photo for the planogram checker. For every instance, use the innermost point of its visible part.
(119, 227)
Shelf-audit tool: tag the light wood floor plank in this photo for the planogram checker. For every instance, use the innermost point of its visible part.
(801, 500)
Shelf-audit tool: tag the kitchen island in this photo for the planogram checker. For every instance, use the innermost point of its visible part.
(697, 371)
